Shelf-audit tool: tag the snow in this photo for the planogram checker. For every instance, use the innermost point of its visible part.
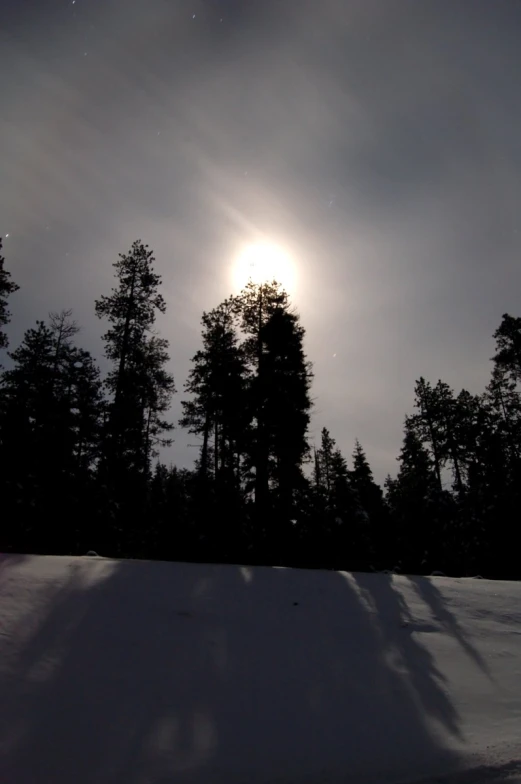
(133, 672)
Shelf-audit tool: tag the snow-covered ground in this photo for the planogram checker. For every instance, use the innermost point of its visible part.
(133, 672)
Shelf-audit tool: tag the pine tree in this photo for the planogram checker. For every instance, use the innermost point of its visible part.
(450, 414)
(508, 346)
(336, 507)
(371, 518)
(7, 287)
(26, 414)
(255, 306)
(156, 387)
(219, 414)
(218, 410)
(50, 424)
(324, 461)
(427, 425)
(279, 389)
(415, 512)
(287, 406)
(445, 423)
(495, 476)
(139, 384)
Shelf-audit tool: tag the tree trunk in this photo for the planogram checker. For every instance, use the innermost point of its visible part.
(216, 451)
(203, 468)
(434, 443)
(124, 342)
(261, 468)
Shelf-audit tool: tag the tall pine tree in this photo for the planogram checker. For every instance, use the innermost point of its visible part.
(139, 384)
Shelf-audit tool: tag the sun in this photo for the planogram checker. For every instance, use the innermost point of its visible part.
(263, 262)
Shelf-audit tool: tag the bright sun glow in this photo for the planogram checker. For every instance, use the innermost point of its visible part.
(263, 263)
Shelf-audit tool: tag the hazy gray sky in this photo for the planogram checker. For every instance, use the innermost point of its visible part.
(379, 142)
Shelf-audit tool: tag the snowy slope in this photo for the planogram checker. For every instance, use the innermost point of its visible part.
(134, 672)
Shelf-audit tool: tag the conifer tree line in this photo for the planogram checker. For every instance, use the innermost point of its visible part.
(80, 465)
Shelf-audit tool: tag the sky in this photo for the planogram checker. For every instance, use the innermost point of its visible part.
(376, 142)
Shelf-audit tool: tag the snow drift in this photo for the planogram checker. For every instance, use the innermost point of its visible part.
(130, 672)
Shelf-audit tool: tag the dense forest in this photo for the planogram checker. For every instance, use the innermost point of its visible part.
(79, 454)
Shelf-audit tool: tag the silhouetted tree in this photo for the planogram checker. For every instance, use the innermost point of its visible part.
(337, 507)
(413, 499)
(371, 514)
(219, 414)
(286, 406)
(218, 410)
(51, 416)
(140, 389)
(7, 287)
(255, 306)
(508, 346)
(138, 383)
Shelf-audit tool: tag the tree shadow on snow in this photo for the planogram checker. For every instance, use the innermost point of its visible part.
(434, 599)
(408, 658)
(133, 672)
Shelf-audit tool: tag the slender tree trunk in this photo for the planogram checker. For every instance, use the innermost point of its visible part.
(203, 469)
(116, 424)
(124, 342)
(457, 469)
(316, 468)
(261, 468)
(216, 450)
(147, 442)
(434, 443)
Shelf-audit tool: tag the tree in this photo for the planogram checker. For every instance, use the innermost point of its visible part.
(156, 387)
(445, 424)
(502, 400)
(427, 424)
(255, 306)
(7, 287)
(286, 406)
(170, 533)
(218, 410)
(218, 413)
(412, 498)
(508, 346)
(50, 423)
(139, 384)
(336, 507)
(324, 461)
(278, 395)
(371, 528)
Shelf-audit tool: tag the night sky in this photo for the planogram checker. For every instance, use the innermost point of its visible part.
(379, 142)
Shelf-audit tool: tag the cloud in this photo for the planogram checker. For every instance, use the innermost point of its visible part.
(380, 143)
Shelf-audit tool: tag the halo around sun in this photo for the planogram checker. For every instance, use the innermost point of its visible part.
(263, 262)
